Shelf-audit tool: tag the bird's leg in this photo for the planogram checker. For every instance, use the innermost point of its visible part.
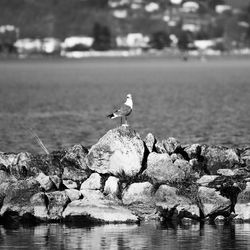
(126, 121)
(121, 120)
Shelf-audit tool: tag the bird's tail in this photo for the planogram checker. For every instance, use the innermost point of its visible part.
(111, 116)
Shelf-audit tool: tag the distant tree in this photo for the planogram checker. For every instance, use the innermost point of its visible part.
(160, 40)
(102, 37)
(184, 39)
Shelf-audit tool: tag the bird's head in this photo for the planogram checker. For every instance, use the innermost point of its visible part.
(129, 96)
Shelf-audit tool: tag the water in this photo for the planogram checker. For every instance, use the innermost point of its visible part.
(110, 237)
(66, 101)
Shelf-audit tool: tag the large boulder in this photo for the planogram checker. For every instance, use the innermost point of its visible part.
(217, 157)
(95, 208)
(161, 169)
(212, 203)
(120, 151)
(169, 201)
(242, 207)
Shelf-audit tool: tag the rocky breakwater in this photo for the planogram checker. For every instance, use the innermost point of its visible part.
(124, 179)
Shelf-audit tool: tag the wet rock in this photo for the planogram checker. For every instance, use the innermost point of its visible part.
(217, 157)
(38, 202)
(120, 151)
(112, 186)
(57, 201)
(205, 180)
(45, 182)
(17, 196)
(76, 155)
(193, 151)
(175, 205)
(150, 142)
(70, 184)
(73, 194)
(212, 202)
(138, 193)
(93, 182)
(161, 169)
(242, 207)
(95, 208)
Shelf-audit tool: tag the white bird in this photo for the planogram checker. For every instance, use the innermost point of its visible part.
(124, 111)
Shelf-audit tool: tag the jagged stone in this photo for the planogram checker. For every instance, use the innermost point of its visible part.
(70, 184)
(225, 172)
(171, 144)
(205, 180)
(193, 151)
(93, 182)
(175, 157)
(120, 151)
(45, 182)
(94, 207)
(161, 169)
(159, 148)
(138, 193)
(73, 194)
(217, 157)
(112, 186)
(76, 155)
(57, 201)
(245, 157)
(150, 142)
(17, 196)
(74, 174)
(212, 201)
(242, 207)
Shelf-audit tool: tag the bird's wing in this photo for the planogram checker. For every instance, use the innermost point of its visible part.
(123, 111)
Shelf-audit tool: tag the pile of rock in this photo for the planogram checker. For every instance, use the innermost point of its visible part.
(123, 179)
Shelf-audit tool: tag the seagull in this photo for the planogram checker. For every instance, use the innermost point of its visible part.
(124, 111)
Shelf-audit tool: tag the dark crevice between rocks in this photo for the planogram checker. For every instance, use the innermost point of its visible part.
(104, 178)
(182, 152)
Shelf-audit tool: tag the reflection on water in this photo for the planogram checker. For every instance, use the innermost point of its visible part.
(146, 236)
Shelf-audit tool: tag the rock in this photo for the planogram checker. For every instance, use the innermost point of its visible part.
(76, 155)
(93, 182)
(212, 202)
(219, 157)
(193, 151)
(8, 159)
(57, 201)
(245, 157)
(74, 174)
(57, 181)
(161, 169)
(112, 186)
(18, 195)
(70, 184)
(175, 157)
(45, 182)
(171, 145)
(206, 179)
(150, 142)
(96, 209)
(242, 207)
(166, 198)
(6, 177)
(225, 172)
(120, 151)
(38, 202)
(159, 148)
(138, 193)
(73, 194)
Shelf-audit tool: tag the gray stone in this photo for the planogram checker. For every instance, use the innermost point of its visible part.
(120, 151)
(45, 182)
(74, 174)
(112, 186)
(138, 193)
(206, 179)
(211, 201)
(70, 184)
(245, 157)
(38, 202)
(73, 194)
(225, 172)
(93, 182)
(57, 202)
(96, 208)
(171, 144)
(150, 142)
(193, 150)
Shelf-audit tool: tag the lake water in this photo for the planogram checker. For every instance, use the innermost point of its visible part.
(114, 237)
(66, 101)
